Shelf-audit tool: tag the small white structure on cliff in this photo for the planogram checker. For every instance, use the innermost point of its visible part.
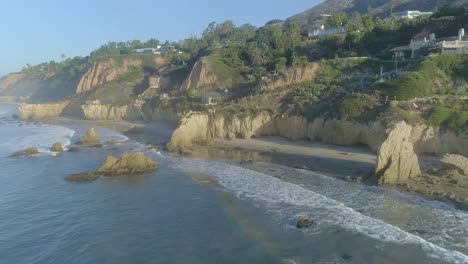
(410, 14)
(212, 98)
(458, 46)
(325, 31)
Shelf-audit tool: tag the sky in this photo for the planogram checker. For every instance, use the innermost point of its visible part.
(35, 31)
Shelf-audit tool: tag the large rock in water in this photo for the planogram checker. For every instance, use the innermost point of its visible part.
(26, 152)
(91, 137)
(397, 162)
(457, 162)
(57, 147)
(132, 163)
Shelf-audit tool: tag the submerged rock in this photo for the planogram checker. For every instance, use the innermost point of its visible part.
(82, 177)
(26, 152)
(91, 137)
(74, 149)
(304, 223)
(132, 163)
(57, 147)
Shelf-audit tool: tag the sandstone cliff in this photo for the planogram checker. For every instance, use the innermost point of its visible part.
(201, 76)
(40, 111)
(107, 70)
(397, 147)
(111, 112)
(296, 74)
(10, 80)
(397, 162)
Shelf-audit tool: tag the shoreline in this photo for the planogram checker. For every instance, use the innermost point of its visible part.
(349, 163)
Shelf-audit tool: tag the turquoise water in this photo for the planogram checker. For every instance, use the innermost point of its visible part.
(246, 215)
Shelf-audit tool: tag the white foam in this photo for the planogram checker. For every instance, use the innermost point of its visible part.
(274, 193)
(17, 136)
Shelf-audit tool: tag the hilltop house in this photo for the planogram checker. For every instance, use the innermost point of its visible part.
(325, 31)
(158, 50)
(457, 46)
(450, 45)
(409, 14)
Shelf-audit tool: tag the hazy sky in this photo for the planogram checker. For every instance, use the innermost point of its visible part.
(36, 31)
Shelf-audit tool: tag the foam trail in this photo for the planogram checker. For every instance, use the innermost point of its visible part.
(274, 192)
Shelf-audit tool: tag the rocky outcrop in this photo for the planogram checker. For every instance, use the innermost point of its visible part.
(40, 111)
(82, 177)
(111, 112)
(397, 162)
(132, 163)
(91, 137)
(57, 147)
(304, 223)
(296, 74)
(27, 152)
(456, 162)
(108, 70)
(201, 76)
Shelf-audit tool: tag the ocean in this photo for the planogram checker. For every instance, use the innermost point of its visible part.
(203, 211)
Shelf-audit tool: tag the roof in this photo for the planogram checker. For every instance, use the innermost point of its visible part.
(401, 48)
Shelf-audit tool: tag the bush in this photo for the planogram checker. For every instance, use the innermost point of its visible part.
(354, 107)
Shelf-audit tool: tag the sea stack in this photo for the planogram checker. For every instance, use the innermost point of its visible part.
(91, 137)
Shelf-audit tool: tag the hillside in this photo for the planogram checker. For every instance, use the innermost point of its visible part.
(312, 17)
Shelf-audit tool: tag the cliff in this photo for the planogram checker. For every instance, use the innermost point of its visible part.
(111, 112)
(40, 111)
(200, 76)
(10, 80)
(296, 74)
(397, 147)
(107, 70)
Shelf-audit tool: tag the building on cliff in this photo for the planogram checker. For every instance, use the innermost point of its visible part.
(212, 98)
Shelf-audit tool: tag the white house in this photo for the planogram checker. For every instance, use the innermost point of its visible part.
(409, 14)
(325, 31)
(458, 46)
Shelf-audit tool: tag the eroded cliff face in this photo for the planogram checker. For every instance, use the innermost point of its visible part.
(295, 75)
(108, 70)
(397, 162)
(111, 112)
(41, 111)
(200, 76)
(10, 80)
(397, 147)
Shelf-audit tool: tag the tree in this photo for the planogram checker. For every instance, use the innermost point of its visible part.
(280, 64)
(368, 23)
(336, 20)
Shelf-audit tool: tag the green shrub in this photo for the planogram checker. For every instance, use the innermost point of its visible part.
(354, 107)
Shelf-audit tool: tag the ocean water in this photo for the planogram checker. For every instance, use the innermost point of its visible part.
(203, 211)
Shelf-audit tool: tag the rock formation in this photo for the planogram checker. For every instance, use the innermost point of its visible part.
(74, 149)
(40, 111)
(57, 147)
(397, 162)
(132, 163)
(91, 137)
(456, 162)
(304, 223)
(27, 152)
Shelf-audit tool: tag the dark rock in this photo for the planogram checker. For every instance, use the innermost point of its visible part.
(27, 152)
(82, 177)
(15, 116)
(97, 146)
(74, 149)
(304, 223)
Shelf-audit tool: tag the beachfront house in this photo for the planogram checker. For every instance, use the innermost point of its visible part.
(158, 50)
(212, 98)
